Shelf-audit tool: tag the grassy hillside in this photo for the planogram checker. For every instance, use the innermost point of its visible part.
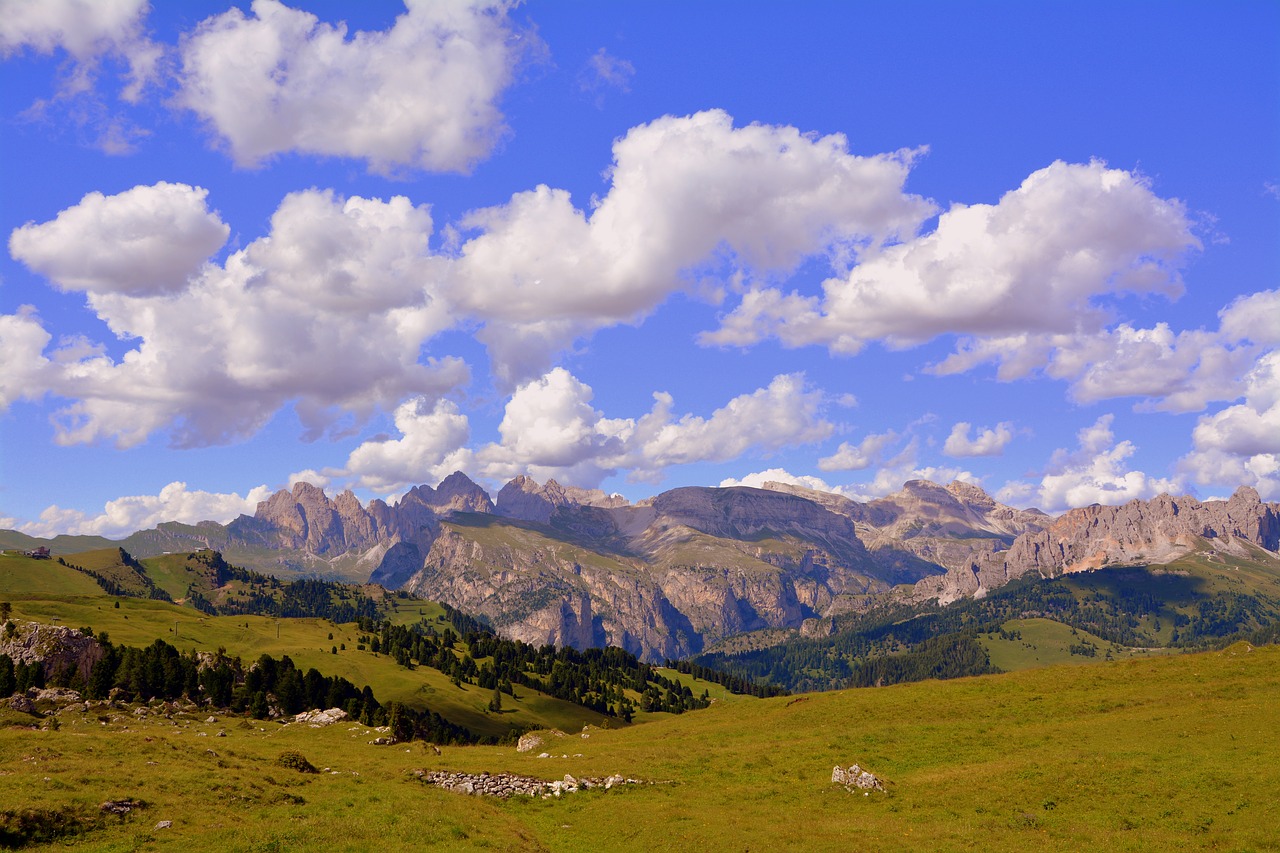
(24, 577)
(453, 679)
(1027, 643)
(137, 622)
(61, 544)
(497, 533)
(1172, 753)
(1197, 602)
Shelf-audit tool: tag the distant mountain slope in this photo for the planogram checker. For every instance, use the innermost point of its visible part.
(693, 565)
(12, 540)
(671, 575)
(1139, 532)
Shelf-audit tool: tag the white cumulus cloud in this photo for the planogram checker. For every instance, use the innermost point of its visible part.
(857, 457)
(1097, 471)
(1241, 443)
(328, 312)
(124, 515)
(989, 441)
(432, 446)
(85, 29)
(1041, 260)
(542, 272)
(551, 430)
(422, 94)
(758, 480)
(1168, 371)
(143, 241)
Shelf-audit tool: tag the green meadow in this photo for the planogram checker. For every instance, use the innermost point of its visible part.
(1172, 753)
(1145, 751)
(1042, 642)
(44, 591)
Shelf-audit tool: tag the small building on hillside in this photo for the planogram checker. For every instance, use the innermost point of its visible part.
(41, 553)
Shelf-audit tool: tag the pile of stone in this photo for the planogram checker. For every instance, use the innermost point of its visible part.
(855, 777)
(505, 785)
(121, 807)
(533, 740)
(320, 719)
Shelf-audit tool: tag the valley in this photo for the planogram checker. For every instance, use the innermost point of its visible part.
(1169, 753)
(1099, 700)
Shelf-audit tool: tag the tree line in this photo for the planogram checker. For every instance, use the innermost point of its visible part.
(598, 679)
(1126, 606)
(265, 688)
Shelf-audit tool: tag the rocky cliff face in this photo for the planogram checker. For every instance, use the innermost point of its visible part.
(688, 567)
(537, 586)
(1157, 531)
(663, 578)
(926, 526)
(523, 498)
(57, 647)
(305, 519)
(303, 530)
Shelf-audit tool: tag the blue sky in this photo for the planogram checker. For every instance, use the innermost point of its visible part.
(633, 246)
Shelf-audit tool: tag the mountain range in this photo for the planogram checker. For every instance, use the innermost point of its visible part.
(672, 575)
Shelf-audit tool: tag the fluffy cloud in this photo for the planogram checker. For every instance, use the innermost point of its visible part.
(1170, 371)
(85, 29)
(542, 272)
(550, 430)
(144, 241)
(422, 94)
(857, 457)
(27, 372)
(329, 312)
(1038, 261)
(1096, 472)
(988, 442)
(1241, 443)
(431, 446)
(123, 516)
(550, 423)
(758, 480)
(783, 414)
(903, 466)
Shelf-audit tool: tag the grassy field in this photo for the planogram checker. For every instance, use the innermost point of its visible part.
(138, 622)
(1042, 642)
(24, 578)
(1172, 753)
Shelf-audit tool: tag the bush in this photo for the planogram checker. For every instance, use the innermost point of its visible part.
(295, 760)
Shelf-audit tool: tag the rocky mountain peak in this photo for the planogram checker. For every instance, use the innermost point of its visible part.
(968, 493)
(523, 498)
(1154, 531)
(304, 492)
(460, 492)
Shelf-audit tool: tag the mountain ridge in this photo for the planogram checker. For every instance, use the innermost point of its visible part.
(667, 576)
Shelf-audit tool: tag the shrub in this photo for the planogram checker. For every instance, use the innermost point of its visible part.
(295, 760)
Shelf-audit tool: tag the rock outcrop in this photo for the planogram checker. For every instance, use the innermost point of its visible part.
(524, 499)
(1155, 531)
(56, 647)
(855, 777)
